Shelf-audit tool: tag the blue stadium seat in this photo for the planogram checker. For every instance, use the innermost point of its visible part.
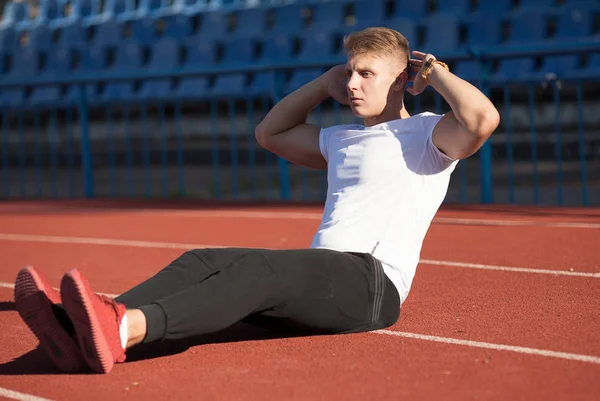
(49, 12)
(436, 43)
(8, 38)
(40, 36)
(58, 63)
(513, 69)
(316, 46)
(537, 4)
(16, 15)
(148, 8)
(73, 96)
(12, 98)
(410, 9)
(165, 56)
(47, 95)
(178, 26)
(109, 33)
(407, 28)
(199, 54)
(288, 19)
(574, 21)
(192, 7)
(495, 7)
(459, 8)
(92, 60)
(24, 63)
(262, 84)
(167, 8)
(555, 67)
(276, 49)
(128, 60)
(369, 13)
(239, 50)
(230, 85)
(192, 88)
(301, 77)
(88, 12)
(236, 51)
(213, 25)
(122, 10)
(527, 26)
(144, 25)
(328, 17)
(24, 66)
(82, 9)
(467, 70)
(72, 36)
(590, 70)
(483, 29)
(250, 22)
(582, 2)
(144, 30)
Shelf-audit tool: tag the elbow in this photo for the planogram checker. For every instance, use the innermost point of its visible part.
(487, 122)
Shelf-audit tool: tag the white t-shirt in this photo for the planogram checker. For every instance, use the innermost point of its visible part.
(385, 184)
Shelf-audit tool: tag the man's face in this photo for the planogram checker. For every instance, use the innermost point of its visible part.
(371, 81)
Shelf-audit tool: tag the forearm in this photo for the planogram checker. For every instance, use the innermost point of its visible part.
(293, 109)
(472, 109)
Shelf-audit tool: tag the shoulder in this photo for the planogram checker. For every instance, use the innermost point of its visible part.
(425, 121)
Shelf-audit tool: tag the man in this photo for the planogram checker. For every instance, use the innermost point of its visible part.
(386, 180)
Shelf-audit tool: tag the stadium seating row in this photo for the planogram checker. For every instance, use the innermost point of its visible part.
(483, 29)
(211, 39)
(61, 12)
(167, 54)
(328, 14)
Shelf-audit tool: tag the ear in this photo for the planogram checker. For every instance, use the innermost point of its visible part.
(401, 81)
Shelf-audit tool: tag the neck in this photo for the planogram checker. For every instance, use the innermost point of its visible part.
(388, 114)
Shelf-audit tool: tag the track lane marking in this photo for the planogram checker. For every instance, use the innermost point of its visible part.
(474, 344)
(182, 246)
(249, 214)
(15, 395)
(496, 347)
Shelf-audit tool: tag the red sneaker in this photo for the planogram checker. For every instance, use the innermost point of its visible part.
(36, 302)
(96, 319)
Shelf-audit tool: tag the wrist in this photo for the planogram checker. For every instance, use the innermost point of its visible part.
(432, 68)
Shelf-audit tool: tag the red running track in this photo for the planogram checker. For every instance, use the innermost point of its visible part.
(117, 245)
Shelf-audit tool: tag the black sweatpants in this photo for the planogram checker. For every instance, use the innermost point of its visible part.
(314, 290)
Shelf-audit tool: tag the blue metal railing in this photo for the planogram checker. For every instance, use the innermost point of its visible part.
(61, 134)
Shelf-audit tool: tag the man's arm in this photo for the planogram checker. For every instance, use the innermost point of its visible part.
(284, 130)
(463, 131)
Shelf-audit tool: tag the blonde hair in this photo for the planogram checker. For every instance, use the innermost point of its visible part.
(377, 41)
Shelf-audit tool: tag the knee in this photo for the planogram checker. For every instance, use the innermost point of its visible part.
(390, 317)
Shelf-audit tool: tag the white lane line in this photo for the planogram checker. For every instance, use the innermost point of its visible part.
(475, 344)
(15, 395)
(497, 347)
(508, 268)
(513, 223)
(174, 245)
(6, 285)
(251, 214)
(101, 241)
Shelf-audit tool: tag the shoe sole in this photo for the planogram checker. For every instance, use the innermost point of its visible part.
(79, 307)
(35, 309)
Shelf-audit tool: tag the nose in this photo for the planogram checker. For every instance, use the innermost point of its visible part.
(352, 82)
